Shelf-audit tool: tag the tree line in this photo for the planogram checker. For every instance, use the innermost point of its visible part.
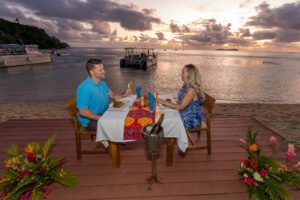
(14, 32)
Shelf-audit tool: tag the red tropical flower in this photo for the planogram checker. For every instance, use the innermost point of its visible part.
(245, 162)
(264, 172)
(249, 181)
(31, 157)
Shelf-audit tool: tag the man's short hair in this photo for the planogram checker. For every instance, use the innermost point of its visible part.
(90, 65)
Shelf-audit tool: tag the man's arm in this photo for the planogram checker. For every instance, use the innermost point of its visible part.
(114, 96)
(88, 114)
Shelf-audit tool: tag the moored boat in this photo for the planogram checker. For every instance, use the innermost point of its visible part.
(139, 58)
(18, 55)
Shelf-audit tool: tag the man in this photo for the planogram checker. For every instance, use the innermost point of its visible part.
(93, 95)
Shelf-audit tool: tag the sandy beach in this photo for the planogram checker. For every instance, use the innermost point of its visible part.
(284, 119)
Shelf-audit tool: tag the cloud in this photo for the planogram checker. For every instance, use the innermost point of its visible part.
(78, 20)
(280, 24)
(213, 33)
(185, 28)
(160, 36)
(89, 10)
(101, 27)
(287, 36)
(285, 16)
(176, 29)
(244, 3)
(149, 11)
(263, 35)
(147, 39)
(244, 32)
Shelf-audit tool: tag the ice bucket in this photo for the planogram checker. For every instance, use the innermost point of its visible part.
(153, 141)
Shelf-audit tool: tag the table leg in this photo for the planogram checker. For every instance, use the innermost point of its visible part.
(115, 154)
(170, 151)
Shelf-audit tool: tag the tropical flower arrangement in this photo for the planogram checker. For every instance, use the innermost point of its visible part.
(265, 177)
(29, 176)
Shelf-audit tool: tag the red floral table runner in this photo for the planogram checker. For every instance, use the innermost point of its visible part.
(136, 119)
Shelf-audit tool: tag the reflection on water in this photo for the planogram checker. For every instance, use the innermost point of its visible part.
(228, 76)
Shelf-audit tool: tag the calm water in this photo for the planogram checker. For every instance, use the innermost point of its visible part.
(246, 77)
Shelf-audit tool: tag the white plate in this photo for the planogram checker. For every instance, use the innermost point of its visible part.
(126, 104)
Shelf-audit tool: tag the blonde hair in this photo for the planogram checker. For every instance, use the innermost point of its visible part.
(194, 79)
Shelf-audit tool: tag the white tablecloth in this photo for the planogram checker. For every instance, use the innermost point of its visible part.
(111, 124)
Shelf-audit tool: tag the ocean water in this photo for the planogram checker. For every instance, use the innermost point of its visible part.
(229, 76)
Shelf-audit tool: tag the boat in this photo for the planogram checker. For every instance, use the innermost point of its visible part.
(139, 58)
(19, 55)
(55, 52)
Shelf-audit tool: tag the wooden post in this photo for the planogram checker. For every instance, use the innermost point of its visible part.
(170, 151)
(115, 154)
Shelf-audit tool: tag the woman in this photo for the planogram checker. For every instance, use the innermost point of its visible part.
(190, 97)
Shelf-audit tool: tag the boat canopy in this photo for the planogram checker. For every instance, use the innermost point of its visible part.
(11, 46)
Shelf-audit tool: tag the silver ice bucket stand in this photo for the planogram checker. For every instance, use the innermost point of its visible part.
(153, 143)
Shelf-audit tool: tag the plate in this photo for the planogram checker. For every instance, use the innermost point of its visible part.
(119, 104)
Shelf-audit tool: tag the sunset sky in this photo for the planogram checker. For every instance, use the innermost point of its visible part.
(190, 24)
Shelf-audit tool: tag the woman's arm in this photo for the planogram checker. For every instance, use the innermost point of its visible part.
(190, 95)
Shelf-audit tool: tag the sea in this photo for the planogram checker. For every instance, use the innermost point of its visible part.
(228, 76)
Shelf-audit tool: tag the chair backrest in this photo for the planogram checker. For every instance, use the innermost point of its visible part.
(71, 106)
(72, 109)
(209, 103)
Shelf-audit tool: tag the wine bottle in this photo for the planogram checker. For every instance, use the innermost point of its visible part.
(157, 126)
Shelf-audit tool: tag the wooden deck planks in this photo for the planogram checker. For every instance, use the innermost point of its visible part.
(195, 175)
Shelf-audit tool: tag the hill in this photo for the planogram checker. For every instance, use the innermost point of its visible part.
(12, 32)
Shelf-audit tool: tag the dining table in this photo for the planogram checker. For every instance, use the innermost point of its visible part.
(111, 129)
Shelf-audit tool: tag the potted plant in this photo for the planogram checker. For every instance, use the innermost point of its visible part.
(265, 177)
(30, 175)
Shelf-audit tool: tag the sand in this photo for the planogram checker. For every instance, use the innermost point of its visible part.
(283, 119)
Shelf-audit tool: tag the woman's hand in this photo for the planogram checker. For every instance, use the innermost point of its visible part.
(161, 101)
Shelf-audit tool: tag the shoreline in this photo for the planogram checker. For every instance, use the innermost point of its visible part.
(284, 119)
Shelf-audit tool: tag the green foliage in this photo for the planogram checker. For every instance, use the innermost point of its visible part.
(13, 150)
(31, 174)
(11, 32)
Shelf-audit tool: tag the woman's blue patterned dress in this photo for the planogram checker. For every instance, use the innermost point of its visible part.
(192, 114)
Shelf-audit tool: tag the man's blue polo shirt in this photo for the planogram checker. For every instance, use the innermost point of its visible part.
(92, 96)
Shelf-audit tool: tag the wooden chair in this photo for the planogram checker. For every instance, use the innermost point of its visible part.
(208, 105)
(80, 131)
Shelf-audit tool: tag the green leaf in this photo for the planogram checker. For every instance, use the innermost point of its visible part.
(48, 144)
(292, 179)
(37, 149)
(37, 194)
(3, 181)
(19, 189)
(13, 151)
(257, 177)
(296, 142)
(258, 193)
(68, 179)
(275, 190)
(30, 166)
(11, 174)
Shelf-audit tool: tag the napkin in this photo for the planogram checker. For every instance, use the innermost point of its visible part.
(138, 91)
(151, 101)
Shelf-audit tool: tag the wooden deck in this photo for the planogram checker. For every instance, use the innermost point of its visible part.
(196, 175)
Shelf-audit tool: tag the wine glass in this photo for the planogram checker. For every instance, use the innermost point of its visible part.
(130, 86)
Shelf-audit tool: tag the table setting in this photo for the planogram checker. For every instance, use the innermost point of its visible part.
(124, 120)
